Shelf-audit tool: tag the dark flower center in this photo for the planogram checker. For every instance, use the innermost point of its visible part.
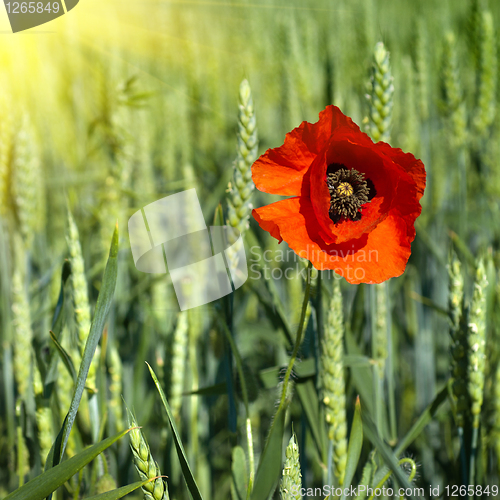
(349, 191)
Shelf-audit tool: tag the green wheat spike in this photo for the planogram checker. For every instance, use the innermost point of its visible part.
(6, 150)
(458, 338)
(332, 363)
(380, 97)
(119, 173)
(23, 455)
(145, 464)
(43, 417)
(27, 183)
(411, 119)
(242, 186)
(23, 334)
(486, 104)
(422, 66)
(115, 385)
(80, 296)
(453, 101)
(380, 342)
(179, 354)
(476, 339)
(474, 29)
(291, 480)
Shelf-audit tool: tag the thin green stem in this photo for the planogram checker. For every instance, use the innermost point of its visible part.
(76, 494)
(244, 393)
(298, 338)
(329, 471)
(413, 472)
(20, 445)
(463, 457)
(251, 460)
(239, 365)
(377, 382)
(194, 437)
(391, 391)
(473, 453)
(462, 169)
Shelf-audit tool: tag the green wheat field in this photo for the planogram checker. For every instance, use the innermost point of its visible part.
(108, 390)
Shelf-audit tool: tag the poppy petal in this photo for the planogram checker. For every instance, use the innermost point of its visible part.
(281, 170)
(332, 124)
(282, 217)
(373, 258)
(415, 168)
(369, 249)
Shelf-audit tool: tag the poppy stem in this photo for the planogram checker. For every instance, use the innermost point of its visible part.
(298, 338)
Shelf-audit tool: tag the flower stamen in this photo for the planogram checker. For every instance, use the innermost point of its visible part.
(344, 189)
(349, 191)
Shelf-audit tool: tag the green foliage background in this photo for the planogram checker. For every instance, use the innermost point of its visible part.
(126, 103)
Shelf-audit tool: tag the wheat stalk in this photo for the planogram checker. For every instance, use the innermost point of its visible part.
(332, 363)
(145, 464)
(486, 105)
(23, 334)
(381, 96)
(291, 480)
(241, 188)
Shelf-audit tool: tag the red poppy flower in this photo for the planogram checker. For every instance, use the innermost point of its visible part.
(354, 203)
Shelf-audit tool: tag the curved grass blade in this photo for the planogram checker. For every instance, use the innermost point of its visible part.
(269, 469)
(57, 320)
(309, 398)
(366, 478)
(98, 321)
(65, 357)
(211, 390)
(422, 421)
(386, 452)
(50, 374)
(120, 492)
(239, 474)
(186, 470)
(47, 482)
(354, 449)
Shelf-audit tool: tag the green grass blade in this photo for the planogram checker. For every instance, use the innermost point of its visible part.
(239, 474)
(186, 470)
(269, 469)
(422, 421)
(307, 368)
(50, 375)
(270, 376)
(101, 313)
(355, 361)
(362, 375)
(366, 478)
(308, 396)
(65, 357)
(120, 492)
(210, 390)
(354, 449)
(385, 451)
(57, 320)
(47, 482)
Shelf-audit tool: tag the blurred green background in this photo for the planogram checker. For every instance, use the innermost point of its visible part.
(118, 104)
